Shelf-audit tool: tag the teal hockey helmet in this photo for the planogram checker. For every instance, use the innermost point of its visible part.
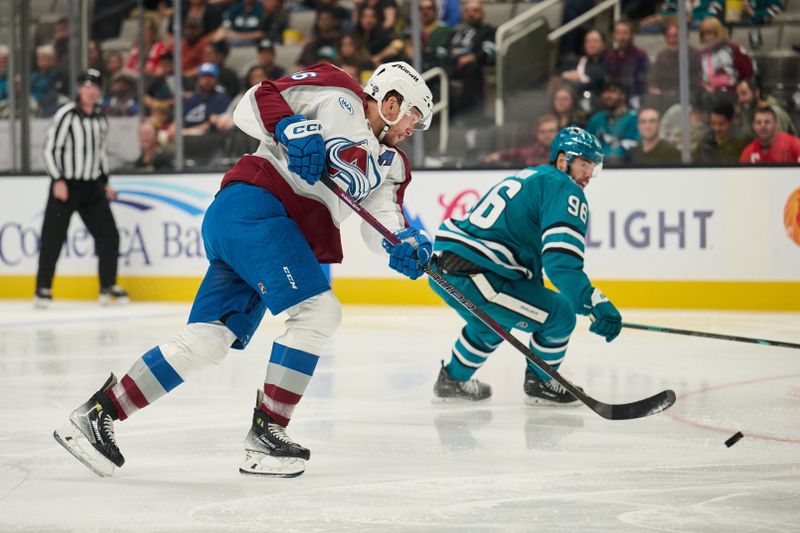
(576, 142)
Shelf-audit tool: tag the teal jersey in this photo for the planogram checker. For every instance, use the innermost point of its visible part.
(531, 221)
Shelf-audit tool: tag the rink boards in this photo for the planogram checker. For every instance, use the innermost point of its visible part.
(664, 238)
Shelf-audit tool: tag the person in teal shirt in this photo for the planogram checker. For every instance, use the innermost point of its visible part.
(528, 224)
(615, 126)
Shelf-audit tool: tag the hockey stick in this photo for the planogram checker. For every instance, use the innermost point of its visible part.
(661, 329)
(648, 406)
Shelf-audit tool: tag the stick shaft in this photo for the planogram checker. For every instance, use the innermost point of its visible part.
(735, 338)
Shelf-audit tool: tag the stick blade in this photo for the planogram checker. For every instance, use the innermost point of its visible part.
(639, 409)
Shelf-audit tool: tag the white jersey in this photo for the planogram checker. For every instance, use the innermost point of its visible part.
(374, 174)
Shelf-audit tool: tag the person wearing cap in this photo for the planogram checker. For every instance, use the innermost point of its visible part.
(76, 160)
(266, 59)
(217, 52)
(207, 99)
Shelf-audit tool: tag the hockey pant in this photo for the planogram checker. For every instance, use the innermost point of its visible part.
(526, 305)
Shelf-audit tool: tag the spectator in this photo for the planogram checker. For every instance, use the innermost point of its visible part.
(217, 53)
(47, 84)
(121, 100)
(353, 55)
(758, 12)
(241, 24)
(615, 126)
(327, 54)
(266, 60)
(436, 36)
(275, 21)
(627, 63)
(95, 57)
(385, 11)
(60, 42)
(192, 47)
(565, 108)
(234, 141)
(153, 156)
(381, 46)
(113, 65)
(3, 72)
(202, 142)
(652, 150)
(588, 75)
(724, 64)
(697, 11)
(155, 48)
(536, 153)
(672, 124)
(345, 16)
(749, 98)
(471, 48)
(722, 146)
(209, 16)
(663, 80)
(770, 145)
(570, 42)
(328, 32)
(206, 101)
(161, 91)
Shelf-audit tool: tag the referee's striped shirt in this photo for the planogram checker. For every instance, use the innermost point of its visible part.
(76, 145)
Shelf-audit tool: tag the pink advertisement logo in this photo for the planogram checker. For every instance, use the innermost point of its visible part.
(459, 205)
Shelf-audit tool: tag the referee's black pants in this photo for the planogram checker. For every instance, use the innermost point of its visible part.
(88, 198)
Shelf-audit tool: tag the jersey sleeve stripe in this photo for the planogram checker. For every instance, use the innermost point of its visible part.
(563, 225)
(564, 230)
(564, 251)
(563, 246)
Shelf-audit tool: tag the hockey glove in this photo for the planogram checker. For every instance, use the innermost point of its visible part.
(303, 140)
(412, 254)
(607, 322)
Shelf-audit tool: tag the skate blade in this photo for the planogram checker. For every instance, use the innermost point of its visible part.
(71, 438)
(106, 301)
(541, 402)
(262, 464)
(436, 400)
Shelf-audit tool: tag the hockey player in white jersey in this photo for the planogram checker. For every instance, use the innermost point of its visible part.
(268, 230)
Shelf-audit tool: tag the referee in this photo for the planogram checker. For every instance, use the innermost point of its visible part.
(76, 160)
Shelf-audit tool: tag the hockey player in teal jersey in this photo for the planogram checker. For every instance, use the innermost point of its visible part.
(532, 221)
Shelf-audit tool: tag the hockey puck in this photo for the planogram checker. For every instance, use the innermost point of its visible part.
(734, 439)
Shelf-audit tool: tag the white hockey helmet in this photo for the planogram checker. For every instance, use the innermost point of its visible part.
(401, 77)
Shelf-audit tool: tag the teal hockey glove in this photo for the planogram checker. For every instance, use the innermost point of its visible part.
(607, 322)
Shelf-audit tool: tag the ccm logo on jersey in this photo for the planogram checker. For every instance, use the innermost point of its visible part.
(289, 277)
(347, 106)
(304, 129)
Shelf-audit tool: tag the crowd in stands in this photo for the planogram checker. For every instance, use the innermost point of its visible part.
(605, 83)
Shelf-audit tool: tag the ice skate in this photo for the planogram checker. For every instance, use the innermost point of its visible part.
(550, 392)
(89, 436)
(447, 389)
(43, 298)
(113, 295)
(269, 451)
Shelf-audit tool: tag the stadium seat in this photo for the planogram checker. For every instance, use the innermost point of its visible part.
(302, 21)
(240, 58)
(286, 54)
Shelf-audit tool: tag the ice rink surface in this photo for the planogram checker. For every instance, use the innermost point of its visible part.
(384, 458)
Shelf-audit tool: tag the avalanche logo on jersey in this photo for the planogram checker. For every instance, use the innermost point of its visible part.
(351, 163)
